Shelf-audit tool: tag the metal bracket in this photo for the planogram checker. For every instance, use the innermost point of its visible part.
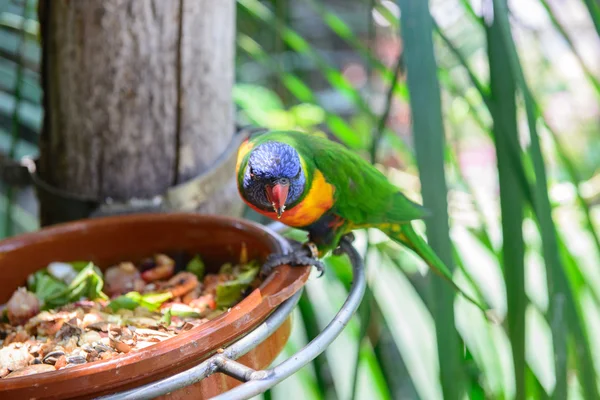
(257, 382)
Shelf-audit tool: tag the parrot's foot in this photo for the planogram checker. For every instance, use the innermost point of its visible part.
(301, 255)
(349, 238)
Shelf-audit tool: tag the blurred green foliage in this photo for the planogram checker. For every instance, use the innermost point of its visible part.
(517, 120)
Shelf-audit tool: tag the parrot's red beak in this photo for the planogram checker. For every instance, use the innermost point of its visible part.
(277, 195)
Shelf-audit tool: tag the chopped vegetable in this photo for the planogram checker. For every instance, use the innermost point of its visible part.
(44, 285)
(71, 313)
(79, 265)
(122, 278)
(166, 318)
(230, 292)
(87, 284)
(22, 306)
(244, 254)
(196, 266)
(226, 268)
(181, 310)
(132, 300)
(64, 272)
(164, 268)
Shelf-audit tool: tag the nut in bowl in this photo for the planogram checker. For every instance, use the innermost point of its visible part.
(147, 296)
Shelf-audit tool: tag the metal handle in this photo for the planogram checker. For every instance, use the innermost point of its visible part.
(257, 382)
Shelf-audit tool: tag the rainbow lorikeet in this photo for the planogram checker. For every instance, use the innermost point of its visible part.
(314, 184)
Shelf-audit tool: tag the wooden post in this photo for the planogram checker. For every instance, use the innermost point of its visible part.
(137, 96)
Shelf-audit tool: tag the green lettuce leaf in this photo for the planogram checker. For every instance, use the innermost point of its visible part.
(166, 318)
(196, 266)
(226, 268)
(132, 300)
(87, 284)
(183, 311)
(43, 285)
(230, 292)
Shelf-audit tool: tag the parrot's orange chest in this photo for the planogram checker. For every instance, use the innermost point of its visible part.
(317, 202)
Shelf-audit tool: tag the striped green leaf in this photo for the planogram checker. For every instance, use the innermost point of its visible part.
(504, 113)
(561, 299)
(428, 132)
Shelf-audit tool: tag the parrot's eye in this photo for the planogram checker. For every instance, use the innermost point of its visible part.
(284, 181)
(252, 176)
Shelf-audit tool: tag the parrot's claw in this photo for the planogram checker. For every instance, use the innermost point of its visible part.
(302, 255)
(314, 250)
(348, 237)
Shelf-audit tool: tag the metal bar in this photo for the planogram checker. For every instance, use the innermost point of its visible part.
(316, 346)
(260, 381)
(206, 368)
(237, 370)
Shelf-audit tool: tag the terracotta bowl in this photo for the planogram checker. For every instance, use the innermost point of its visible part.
(106, 241)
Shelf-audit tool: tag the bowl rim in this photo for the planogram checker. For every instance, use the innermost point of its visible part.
(280, 285)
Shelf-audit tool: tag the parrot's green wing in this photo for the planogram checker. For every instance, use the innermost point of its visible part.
(363, 195)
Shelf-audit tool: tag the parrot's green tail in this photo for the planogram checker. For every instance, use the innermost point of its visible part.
(407, 236)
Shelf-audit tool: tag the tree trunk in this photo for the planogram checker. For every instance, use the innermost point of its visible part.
(137, 97)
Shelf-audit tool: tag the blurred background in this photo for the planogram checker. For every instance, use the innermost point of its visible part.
(486, 111)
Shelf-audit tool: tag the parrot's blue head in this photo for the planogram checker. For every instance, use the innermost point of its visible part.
(273, 179)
